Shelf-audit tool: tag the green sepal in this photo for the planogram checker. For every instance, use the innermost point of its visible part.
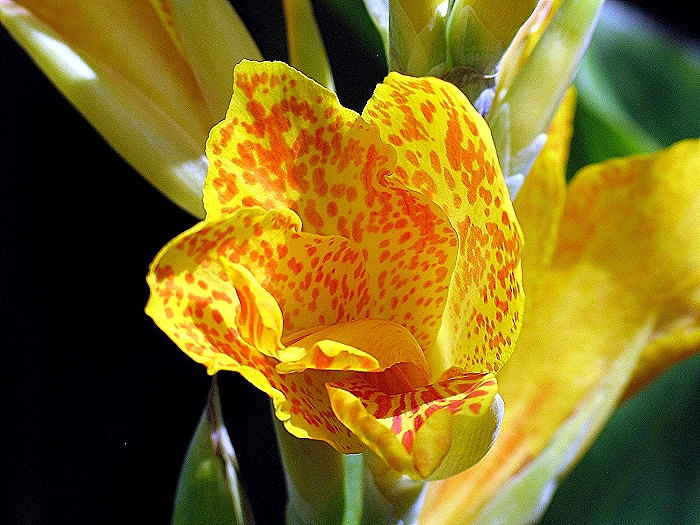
(209, 492)
(325, 487)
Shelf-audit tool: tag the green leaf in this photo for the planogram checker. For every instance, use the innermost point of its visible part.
(638, 86)
(209, 492)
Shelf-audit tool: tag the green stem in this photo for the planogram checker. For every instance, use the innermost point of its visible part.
(323, 487)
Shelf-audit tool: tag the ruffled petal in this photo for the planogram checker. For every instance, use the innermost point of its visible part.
(623, 284)
(298, 280)
(446, 153)
(288, 143)
(429, 432)
(368, 345)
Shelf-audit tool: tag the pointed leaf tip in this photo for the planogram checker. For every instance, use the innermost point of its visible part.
(209, 492)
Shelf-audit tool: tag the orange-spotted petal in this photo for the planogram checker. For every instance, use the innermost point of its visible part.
(288, 143)
(445, 152)
(194, 301)
(316, 281)
(301, 402)
(432, 431)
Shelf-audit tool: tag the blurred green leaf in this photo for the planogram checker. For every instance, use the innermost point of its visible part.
(355, 15)
(209, 492)
(639, 89)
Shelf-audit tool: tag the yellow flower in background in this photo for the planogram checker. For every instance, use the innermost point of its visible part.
(611, 272)
(151, 77)
(362, 271)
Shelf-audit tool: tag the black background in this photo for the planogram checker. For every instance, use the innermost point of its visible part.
(97, 404)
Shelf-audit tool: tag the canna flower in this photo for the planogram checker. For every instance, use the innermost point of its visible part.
(611, 272)
(151, 77)
(363, 271)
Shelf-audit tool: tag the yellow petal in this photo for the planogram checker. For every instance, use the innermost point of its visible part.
(524, 497)
(429, 432)
(369, 345)
(316, 281)
(446, 153)
(540, 202)
(259, 319)
(306, 50)
(288, 143)
(677, 337)
(210, 293)
(624, 277)
(213, 39)
(194, 300)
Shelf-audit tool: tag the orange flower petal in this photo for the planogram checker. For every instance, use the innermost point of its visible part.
(288, 143)
(435, 430)
(445, 152)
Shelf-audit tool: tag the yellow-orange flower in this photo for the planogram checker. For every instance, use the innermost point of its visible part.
(362, 270)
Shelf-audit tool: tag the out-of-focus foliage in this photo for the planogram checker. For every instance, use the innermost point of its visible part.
(639, 89)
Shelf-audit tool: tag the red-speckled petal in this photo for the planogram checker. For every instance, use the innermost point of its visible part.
(301, 401)
(287, 142)
(411, 254)
(210, 292)
(445, 152)
(316, 281)
(429, 432)
(221, 332)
